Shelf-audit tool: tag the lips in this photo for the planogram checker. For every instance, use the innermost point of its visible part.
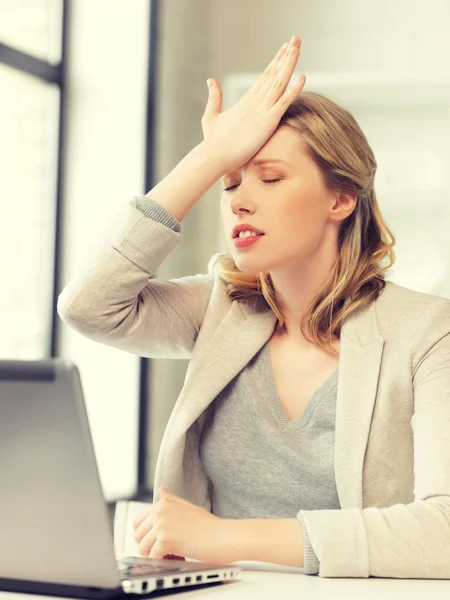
(245, 227)
(247, 241)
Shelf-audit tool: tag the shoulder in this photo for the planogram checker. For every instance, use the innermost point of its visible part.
(396, 301)
(394, 293)
(403, 312)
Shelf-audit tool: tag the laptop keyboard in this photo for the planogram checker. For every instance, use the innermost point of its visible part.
(137, 567)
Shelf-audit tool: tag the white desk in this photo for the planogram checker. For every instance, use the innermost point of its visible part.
(258, 585)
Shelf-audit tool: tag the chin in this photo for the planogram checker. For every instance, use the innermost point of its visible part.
(251, 264)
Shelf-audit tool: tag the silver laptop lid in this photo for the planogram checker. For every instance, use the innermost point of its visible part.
(54, 522)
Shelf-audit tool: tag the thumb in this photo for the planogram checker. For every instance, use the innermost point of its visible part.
(163, 493)
(214, 105)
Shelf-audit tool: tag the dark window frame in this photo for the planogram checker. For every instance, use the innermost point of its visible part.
(144, 491)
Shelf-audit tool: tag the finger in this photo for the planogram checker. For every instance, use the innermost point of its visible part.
(143, 529)
(163, 493)
(294, 44)
(281, 106)
(273, 92)
(140, 518)
(147, 544)
(270, 69)
(214, 104)
(159, 550)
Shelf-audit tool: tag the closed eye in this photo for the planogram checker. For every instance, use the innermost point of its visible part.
(263, 180)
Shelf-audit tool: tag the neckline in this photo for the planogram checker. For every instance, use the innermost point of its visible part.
(269, 392)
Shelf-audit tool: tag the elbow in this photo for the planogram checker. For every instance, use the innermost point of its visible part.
(74, 316)
(64, 307)
(100, 323)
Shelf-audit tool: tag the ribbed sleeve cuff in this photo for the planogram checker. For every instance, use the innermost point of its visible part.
(145, 242)
(339, 540)
(311, 563)
(153, 210)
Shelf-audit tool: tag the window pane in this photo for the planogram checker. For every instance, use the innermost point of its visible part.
(28, 159)
(33, 26)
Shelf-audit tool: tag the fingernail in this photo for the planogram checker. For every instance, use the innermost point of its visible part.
(209, 83)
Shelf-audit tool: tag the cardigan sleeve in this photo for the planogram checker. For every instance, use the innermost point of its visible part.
(403, 540)
(113, 300)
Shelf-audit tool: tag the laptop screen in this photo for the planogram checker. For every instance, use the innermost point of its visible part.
(54, 522)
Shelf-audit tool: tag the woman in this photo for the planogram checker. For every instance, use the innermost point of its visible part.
(312, 428)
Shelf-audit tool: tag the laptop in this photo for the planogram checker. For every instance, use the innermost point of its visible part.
(56, 534)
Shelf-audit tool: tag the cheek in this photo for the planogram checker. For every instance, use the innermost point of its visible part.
(300, 226)
(225, 211)
(298, 215)
(225, 215)
(306, 208)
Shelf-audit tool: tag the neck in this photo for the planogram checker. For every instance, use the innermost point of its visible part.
(295, 286)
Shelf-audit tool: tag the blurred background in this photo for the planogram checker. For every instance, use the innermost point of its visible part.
(100, 99)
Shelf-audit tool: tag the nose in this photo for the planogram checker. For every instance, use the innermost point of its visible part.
(239, 205)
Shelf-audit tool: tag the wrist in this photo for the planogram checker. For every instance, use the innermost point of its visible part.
(226, 540)
(213, 156)
(192, 177)
(268, 540)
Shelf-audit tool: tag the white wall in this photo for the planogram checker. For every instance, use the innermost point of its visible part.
(104, 167)
(344, 35)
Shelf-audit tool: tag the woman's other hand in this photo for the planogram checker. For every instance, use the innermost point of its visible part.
(174, 526)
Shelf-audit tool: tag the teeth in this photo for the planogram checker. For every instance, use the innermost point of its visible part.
(244, 234)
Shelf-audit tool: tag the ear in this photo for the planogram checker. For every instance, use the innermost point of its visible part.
(343, 205)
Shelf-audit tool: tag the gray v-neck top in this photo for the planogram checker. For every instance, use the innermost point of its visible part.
(262, 464)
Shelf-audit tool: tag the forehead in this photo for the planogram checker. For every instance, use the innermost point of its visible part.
(284, 148)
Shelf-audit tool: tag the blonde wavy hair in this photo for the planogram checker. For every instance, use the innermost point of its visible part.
(365, 243)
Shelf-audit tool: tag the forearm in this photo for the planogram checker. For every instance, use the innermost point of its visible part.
(268, 540)
(193, 176)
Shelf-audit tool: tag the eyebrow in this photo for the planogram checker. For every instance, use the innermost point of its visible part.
(262, 161)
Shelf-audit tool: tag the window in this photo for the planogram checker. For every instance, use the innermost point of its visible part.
(33, 26)
(28, 151)
(29, 121)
